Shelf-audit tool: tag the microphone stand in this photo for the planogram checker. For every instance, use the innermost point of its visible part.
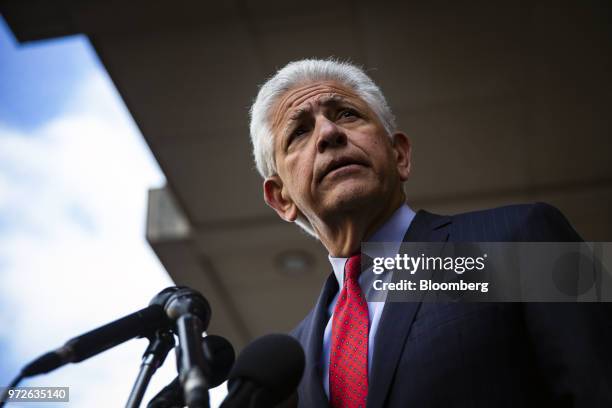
(159, 345)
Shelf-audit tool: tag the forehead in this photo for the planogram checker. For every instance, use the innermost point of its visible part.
(310, 93)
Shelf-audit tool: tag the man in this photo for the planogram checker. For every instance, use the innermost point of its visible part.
(325, 142)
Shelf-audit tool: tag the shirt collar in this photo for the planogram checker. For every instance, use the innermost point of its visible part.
(393, 230)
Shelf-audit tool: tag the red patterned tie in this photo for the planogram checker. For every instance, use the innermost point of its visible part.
(348, 362)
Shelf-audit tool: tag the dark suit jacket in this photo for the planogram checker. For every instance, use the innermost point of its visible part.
(478, 354)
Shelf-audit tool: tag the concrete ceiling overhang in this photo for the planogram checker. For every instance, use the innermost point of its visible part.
(504, 101)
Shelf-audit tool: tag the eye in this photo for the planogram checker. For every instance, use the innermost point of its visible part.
(299, 131)
(348, 113)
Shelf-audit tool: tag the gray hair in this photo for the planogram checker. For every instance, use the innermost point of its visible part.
(301, 72)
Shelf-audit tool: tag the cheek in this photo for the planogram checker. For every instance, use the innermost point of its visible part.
(299, 173)
(381, 156)
(376, 150)
(371, 137)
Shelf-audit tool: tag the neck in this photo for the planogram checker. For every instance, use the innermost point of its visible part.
(343, 235)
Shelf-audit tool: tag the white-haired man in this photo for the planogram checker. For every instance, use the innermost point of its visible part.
(325, 142)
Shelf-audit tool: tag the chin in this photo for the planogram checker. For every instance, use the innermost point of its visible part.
(348, 196)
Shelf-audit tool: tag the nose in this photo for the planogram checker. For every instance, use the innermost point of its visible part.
(330, 135)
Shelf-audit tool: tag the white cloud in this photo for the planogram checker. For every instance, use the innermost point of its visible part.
(72, 249)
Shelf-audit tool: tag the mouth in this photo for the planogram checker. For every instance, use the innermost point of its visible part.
(340, 165)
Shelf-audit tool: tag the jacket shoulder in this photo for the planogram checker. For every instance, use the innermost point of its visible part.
(535, 222)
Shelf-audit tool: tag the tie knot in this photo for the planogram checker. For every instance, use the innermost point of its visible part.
(352, 269)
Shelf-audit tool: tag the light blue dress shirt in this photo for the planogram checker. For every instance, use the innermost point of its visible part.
(391, 231)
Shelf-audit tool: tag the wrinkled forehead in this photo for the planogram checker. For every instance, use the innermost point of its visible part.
(305, 96)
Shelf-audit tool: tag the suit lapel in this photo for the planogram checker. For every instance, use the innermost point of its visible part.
(313, 394)
(397, 317)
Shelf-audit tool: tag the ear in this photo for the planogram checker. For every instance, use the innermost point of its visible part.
(403, 150)
(277, 198)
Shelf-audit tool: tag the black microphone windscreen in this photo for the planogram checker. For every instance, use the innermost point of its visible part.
(275, 362)
(220, 356)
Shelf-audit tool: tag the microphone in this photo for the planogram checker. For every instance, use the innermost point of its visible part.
(219, 355)
(191, 313)
(141, 323)
(266, 373)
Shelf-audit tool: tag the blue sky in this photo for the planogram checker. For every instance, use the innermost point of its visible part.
(36, 81)
(74, 175)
